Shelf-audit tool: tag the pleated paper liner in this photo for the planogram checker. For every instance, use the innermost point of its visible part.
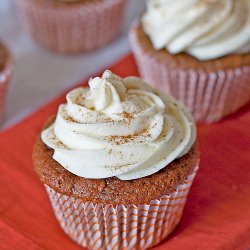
(5, 76)
(72, 27)
(208, 96)
(120, 227)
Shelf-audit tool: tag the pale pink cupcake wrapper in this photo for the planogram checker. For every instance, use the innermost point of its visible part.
(208, 96)
(5, 76)
(74, 28)
(118, 227)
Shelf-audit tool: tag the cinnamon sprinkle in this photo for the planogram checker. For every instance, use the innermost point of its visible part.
(123, 139)
(127, 115)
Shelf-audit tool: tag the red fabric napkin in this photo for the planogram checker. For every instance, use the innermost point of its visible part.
(217, 214)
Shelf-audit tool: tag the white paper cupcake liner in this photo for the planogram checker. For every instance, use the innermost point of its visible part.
(120, 227)
(75, 27)
(208, 96)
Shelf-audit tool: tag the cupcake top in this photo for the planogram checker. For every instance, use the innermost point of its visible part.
(119, 127)
(205, 29)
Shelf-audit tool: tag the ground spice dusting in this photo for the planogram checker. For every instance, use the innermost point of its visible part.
(127, 115)
(154, 125)
(79, 100)
(57, 142)
(119, 140)
(69, 119)
(108, 120)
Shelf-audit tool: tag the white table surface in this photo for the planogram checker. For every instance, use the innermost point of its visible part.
(39, 75)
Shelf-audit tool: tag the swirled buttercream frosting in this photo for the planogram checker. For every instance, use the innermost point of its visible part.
(205, 29)
(119, 127)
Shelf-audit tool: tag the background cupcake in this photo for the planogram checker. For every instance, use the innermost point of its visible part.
(118, 162)
(198, 51)
(5, 73)
(72, 25)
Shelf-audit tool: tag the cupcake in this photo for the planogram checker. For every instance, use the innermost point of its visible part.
(198, 51)
(117, 161)
(72, 25)
(5, 73)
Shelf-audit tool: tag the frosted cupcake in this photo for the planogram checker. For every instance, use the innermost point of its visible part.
(5, 74)
(72, 25)
(118, 162)
(198, 51)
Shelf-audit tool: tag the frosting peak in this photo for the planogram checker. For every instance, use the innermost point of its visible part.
(105, 92)
(119, 127)
(205, 29)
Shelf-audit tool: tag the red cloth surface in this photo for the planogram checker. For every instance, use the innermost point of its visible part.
(217, 214)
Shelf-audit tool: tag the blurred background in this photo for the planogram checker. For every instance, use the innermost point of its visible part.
(40, 75)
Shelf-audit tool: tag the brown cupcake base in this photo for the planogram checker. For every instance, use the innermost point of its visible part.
(111, 190)
(210, 89)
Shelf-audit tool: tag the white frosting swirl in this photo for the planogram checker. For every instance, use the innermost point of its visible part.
(205, 29)
(119, 127)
